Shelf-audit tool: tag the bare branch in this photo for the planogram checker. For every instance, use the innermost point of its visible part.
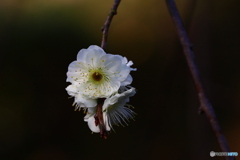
(206, 107)
(106, 25)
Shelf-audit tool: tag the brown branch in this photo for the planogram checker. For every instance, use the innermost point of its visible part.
(99, 118)
(206, 107)
(106, 25)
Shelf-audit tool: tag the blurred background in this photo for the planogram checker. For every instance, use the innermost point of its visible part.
(40, 38)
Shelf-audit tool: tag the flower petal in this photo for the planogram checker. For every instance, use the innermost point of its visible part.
(91, 55)
(72, 90)
(92, 126)
(90, 112)
(115, 109)
(80, 99)
(81, 55)
(95, 47)
(115, 67)
(105, 118)
(112, 62)
(127, 81)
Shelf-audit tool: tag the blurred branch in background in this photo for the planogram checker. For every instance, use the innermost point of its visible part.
(205, 105)
(106, 25)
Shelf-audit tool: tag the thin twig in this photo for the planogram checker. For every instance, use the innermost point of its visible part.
(189, 55)
(106, 25)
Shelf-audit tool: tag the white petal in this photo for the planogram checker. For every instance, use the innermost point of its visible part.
(112, 87)
(93, 58)
(92, 126)
(90, 112)
(110, 101)
(112, 62)
(105, 118)
(124, 98)
(129, 64)
(81, 55)
(73, 66)
(125, 61)
(91, 55)
(124, 72)
(118, 100)
(80, 99)
(103, 90)
(72, 90)
(115, 67)
(127, 81)
(96, 48)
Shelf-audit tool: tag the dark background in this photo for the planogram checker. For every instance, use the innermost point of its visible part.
(39, 39)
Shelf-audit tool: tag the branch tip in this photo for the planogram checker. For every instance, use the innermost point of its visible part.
(107, 23)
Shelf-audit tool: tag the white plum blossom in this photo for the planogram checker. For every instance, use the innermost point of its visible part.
(100, 85)
(115, 111)
(97, 74)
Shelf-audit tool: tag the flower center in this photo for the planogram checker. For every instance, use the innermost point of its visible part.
(97, 76)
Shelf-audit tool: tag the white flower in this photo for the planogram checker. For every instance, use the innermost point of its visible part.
(99, 85)
(115, 111)
(96, 74)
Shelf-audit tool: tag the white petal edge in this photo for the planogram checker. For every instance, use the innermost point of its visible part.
(92, 126)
